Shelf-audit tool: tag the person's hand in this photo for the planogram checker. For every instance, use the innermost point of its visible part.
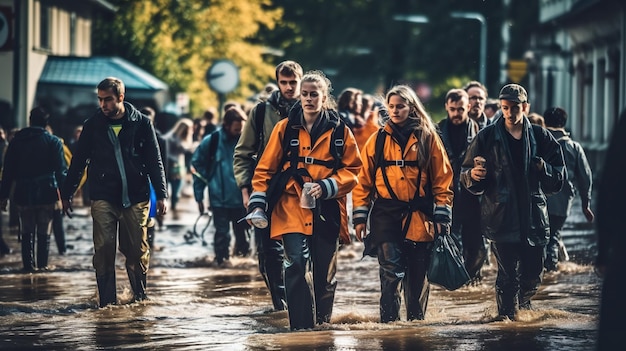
(344, 237)
(316, 191)
(245, 196)
(479, 172)
(539, 162)
(3, 204)
(201, 207)
(360, 231)
(161, 207)
(67, 208)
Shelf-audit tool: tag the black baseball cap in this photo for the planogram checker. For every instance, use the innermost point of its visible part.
(514, 92)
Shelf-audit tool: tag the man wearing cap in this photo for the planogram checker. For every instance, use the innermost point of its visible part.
(523, 163)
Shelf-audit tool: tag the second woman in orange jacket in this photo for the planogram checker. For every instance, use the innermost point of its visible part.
(310, 236)
(406, 192)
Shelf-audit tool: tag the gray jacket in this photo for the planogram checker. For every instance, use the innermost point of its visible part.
(579, 176)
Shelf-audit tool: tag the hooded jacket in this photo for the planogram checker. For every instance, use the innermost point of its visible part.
(35, 162)
(505, 217)
(579, 176)
(249, 148)
(119, 168)
(287, 215)
(403, 181)
(216, 171)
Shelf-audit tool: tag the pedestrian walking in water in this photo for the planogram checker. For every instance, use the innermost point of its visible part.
(611, 260)
(512, 164)
(406, 173)
(119, 146)
(179, 141)
(213, 165)
(252, 143)
(457, 132)
(35, 166)
(311, 149)
(579, 179)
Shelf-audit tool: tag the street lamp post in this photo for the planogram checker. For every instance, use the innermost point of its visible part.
(482, 69)
(483, 39)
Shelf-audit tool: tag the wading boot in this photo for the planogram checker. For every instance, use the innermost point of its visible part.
(106, 289)
(28, 248)
(138, 285)
(43, 248)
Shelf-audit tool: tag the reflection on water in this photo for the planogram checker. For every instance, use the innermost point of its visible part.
(195, 307)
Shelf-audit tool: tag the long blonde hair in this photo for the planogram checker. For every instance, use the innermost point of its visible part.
(425, 124)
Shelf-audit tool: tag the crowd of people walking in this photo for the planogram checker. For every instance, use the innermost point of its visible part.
(319, 172)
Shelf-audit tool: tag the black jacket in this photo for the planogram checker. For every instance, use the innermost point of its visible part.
(34, 162)
(457, 159)
(502, 219)
(118, 175)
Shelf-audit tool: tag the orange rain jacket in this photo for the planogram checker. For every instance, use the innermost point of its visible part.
(403, 180)
(288, 216)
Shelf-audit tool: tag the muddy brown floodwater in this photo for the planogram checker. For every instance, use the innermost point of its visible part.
(195, 307)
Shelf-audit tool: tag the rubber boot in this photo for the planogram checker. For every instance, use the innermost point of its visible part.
(106, 289)
(391, 275)
(507, 304)
(28, 248)
(138, 285)
(58, 231)
(43, 249)
(552, 255)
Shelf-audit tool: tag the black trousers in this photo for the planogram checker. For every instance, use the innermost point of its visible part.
(270, 255)
(310, 266)
(403, 266)
(222, 220)
(520, 272)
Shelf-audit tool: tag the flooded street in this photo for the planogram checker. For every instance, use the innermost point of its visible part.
(195, 307)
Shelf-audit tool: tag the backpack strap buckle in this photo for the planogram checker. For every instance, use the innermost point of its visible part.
(399, 163)
(308, 160)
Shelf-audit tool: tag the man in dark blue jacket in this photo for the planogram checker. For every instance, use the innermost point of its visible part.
(34, 163)
(512, 165)
(119, 146)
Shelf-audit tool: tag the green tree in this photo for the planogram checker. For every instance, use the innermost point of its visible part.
(178, 40)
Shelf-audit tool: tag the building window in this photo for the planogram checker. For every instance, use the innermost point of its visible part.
(44, 26)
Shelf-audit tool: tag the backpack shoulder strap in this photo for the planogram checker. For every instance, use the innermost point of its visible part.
(259, 121)
(337, 147)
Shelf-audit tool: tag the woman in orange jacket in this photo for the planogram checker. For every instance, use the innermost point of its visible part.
(313, 146)
(406, 191)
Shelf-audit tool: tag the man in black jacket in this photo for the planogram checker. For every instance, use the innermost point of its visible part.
(119, 145)
(457, 132)
(512, 164)
(34, 167)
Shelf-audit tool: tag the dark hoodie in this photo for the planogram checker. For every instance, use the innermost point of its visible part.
(34, 162)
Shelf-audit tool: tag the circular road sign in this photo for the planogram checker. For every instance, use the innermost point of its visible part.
(223, 76)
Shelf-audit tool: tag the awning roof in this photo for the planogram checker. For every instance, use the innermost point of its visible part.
(89, 71)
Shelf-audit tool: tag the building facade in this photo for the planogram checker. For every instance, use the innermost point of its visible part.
(577, 61)
(46, 59)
